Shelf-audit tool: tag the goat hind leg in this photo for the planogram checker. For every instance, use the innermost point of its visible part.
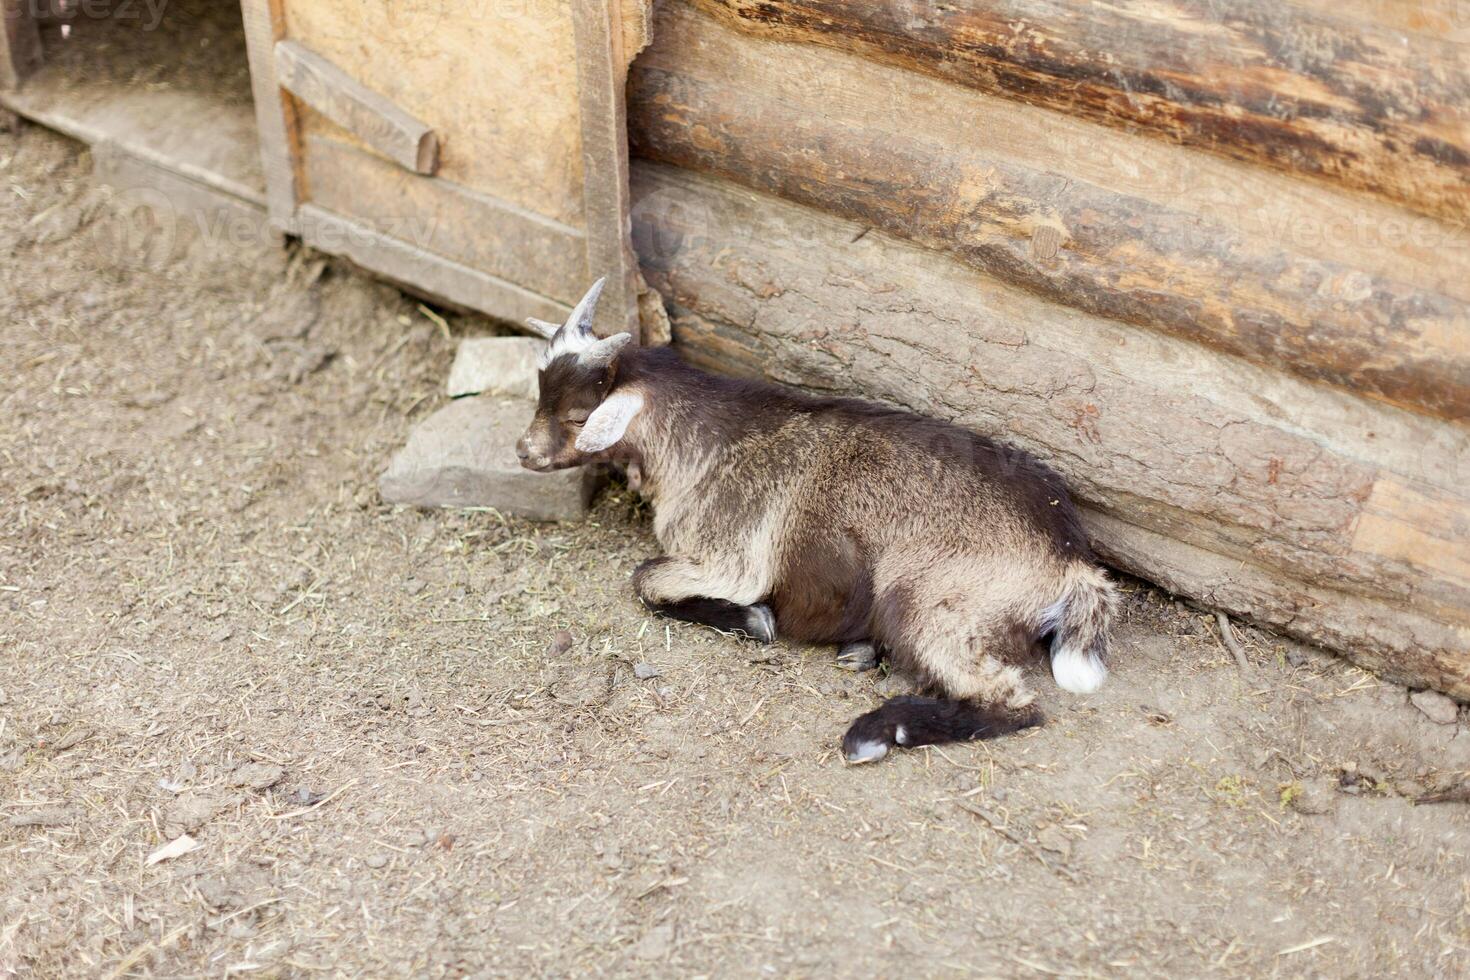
(680, 588)
(859, 655)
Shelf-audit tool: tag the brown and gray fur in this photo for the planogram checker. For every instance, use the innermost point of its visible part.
(834, 520)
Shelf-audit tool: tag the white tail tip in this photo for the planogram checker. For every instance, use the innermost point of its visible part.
(1078, 671)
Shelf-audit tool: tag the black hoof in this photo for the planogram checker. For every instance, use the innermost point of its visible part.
(760, 623)
(859, 656)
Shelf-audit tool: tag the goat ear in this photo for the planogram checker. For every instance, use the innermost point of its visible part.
(609, 421)
(604, 352)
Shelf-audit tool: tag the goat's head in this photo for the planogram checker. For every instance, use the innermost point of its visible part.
(579, 415)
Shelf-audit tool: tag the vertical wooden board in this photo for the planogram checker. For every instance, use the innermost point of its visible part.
(20, 43)
(602, 75)
(498, 81)
(275, 116)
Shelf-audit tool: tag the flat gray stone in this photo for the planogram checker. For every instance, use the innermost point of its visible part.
(464, 456)
(496, 365)
(1436, 707)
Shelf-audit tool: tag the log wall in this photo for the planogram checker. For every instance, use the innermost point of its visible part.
(1253, 367)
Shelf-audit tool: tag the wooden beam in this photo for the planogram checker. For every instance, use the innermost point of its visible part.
(1108, 253)
(277, 126)
(602, 66)
(20, 43)
(1258, 80)
(385, 127)
(1327, 511)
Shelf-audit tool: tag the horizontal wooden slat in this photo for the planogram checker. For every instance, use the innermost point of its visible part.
(474, 229)
(1300, 483)
(385, 127)
(1109, 253)
(423, 272)
(1258, 80)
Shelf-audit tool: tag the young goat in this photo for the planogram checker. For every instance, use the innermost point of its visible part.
(833, 520)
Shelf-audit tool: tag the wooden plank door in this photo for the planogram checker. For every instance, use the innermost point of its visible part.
(471, 150)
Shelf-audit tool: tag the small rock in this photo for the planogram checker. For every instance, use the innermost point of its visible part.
(43, 817)
(219, 893)
(56, 224)
(289, 316)
(72, 738)
(414, 586)
(1054, 839)
(644, 671)
(500, 365)
(1436, 707)
(223, 634)
(656, 943)
(257, 775)
(560, 644)
(188, 813)
(376, 860)
(893, 685)
(464, 456)
(1312, 798)
(305, 797)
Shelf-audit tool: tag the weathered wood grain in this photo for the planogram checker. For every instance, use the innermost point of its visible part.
(1296, 484)
(487, 234)
(1108, 253)
(20, 43)
(421, 271)
(598, 26)
(388, 129)
(1270, 82)
(276, 122)
(1313, 218)
(496, 81)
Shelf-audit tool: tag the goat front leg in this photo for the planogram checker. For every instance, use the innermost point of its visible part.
(688, 590)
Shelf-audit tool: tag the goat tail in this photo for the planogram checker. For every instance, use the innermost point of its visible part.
(909, 721)
(1078, 622)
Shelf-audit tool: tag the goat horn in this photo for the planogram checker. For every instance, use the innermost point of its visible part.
(581, 319)
(541, 327)
(601, 354)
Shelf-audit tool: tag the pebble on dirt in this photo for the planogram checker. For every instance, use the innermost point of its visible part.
(1436, 707)
(560, 644)
(645, 672)
(257, 775)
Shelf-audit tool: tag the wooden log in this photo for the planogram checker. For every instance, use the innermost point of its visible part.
(1337, 512)
(1313, 218)
(1260, 80)
(20, 43)
(1108, 253)
(385, 127)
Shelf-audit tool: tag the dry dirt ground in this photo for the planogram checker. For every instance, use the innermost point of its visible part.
(211, 626)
